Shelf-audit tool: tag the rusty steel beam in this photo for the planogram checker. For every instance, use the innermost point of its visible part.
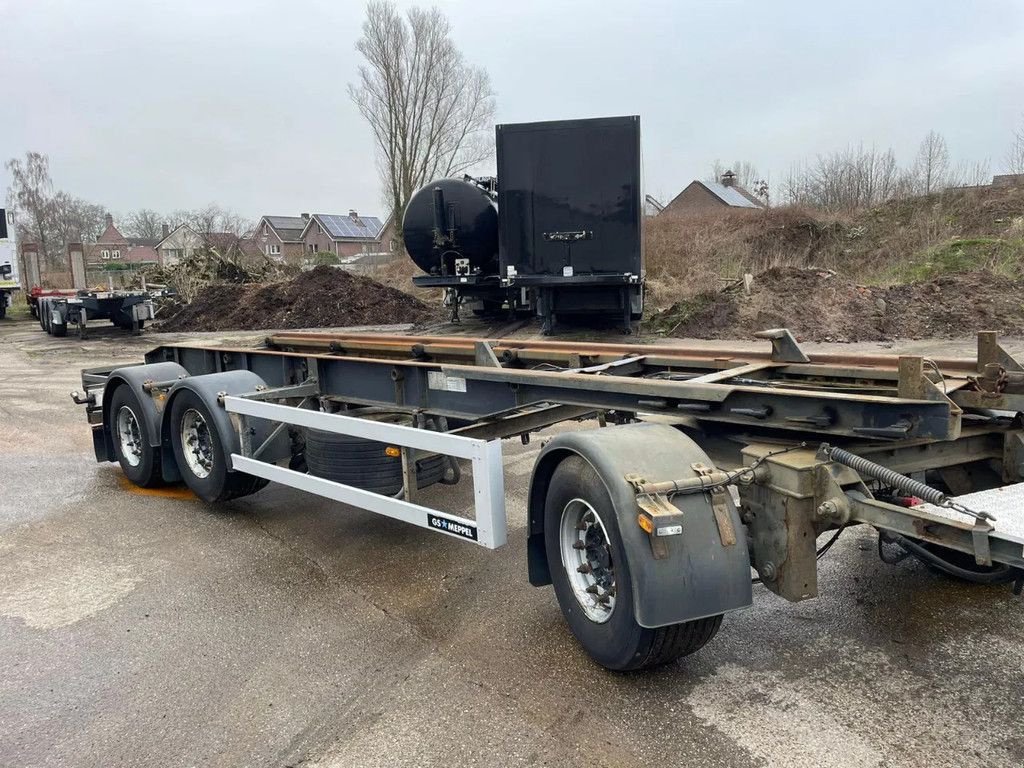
(534, 350)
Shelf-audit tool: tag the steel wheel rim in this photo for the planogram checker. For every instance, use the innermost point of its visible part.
(196, 443)
(129, 436)
(587, 560)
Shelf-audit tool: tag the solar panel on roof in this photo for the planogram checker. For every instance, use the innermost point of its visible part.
(367, 227)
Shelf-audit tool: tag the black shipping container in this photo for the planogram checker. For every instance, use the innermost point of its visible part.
(570, 202)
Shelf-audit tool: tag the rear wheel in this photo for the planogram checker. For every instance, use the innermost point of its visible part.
(132, 445)
(592, 581)
(199, 452)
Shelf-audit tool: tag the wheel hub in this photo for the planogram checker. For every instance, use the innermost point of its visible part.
(129, 436)
(587, 559)
(196, 443)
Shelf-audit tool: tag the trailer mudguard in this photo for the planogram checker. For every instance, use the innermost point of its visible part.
(209, 387)
(701, 576)
(135, 376)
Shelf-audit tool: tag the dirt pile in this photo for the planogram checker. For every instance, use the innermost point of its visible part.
(324, 297)
(901, 241)
(818, 305)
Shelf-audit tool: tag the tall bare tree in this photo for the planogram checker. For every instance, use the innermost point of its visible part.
(145, 223)
(429, 110)
(31, 191)
(72, 220)
(932, 163)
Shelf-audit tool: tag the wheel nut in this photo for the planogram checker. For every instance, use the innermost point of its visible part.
(585, 568)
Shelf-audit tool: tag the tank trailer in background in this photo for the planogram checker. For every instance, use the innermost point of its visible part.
(558, 232)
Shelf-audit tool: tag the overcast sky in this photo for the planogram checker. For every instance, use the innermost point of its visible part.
(176, 104)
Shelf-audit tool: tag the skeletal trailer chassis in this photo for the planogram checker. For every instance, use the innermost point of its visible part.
(761, 422)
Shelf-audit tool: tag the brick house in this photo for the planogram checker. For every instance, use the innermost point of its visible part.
(182, 241)
(347, 237)
(111, 247)
(709, 196)
(280, 237)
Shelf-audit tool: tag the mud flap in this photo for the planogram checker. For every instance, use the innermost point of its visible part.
(701, 572)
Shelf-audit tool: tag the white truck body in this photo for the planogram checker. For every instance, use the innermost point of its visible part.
(10, 279)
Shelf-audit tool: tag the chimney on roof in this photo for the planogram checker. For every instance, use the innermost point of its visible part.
(165, 230)
(108, 220)
(728, 179)
(305, 217)
(352, 213)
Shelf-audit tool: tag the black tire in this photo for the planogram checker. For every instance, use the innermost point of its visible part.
(220, 484)
(45, 317)
(364, 464)
(3, 306)
(145, 473)
(619, 643)
(59, 329)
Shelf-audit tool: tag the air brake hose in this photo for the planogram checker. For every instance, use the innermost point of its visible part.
(999, 575)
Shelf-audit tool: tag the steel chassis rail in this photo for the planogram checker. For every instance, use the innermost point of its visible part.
(782, 391)
(906, 413)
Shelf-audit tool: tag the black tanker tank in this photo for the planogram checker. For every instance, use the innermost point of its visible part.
(451, 227)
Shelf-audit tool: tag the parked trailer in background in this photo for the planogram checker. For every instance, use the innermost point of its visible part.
(647, 531)
(128, 310)
(10, 279)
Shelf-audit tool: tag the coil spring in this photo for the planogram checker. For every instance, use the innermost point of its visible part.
(889, 477)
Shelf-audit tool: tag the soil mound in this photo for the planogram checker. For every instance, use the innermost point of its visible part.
(818, 305)
(324, 297)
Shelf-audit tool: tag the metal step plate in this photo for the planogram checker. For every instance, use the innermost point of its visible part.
(1006, 504)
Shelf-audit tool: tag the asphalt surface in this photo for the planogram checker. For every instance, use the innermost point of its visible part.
(151, 629)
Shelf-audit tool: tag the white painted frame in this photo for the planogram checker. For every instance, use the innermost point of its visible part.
(490, 525)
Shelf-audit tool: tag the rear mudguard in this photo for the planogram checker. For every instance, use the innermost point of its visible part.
(209, 387)
(135, 376)
(701, 576)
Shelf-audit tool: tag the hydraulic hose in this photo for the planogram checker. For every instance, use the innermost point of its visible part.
(999, 574)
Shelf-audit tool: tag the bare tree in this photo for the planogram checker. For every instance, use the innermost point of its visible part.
(970, 174)
(932, 163)
(428, 109)
(72, 220)
(746, 173)
(1015, 157)
(31, 191)
(220, 230)
(852, 178)
(145, 224)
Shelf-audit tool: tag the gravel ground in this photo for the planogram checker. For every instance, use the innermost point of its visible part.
(281, 630)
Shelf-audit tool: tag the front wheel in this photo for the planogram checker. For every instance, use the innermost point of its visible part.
(592, 582)
(200, 453)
